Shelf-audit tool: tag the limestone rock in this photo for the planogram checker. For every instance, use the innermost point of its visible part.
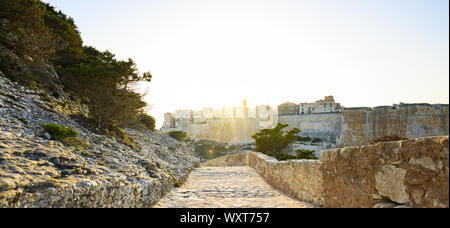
(38, 172)
(385, 205)
(425, 162)
(390, 182)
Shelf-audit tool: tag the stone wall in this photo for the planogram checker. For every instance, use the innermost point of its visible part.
(409, 173)
(413, 172)
(363, 126)
(228, 160)
(300, 178)
(326, 126)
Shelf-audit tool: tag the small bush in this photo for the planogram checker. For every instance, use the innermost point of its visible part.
(272, 142)
(59, 132)
(121, 135)
(178, 135)
(316, 140)
(305, 154)
(148, 121)
(301, 154)
(304, 139)
(78, 143)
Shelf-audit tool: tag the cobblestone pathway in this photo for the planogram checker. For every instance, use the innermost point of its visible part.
(227, 187)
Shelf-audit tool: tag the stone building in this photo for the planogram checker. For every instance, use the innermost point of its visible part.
(229, 124)
(288, 108)
(169, 120)
(321, 106)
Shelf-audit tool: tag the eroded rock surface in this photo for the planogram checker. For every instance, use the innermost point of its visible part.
(38, 172)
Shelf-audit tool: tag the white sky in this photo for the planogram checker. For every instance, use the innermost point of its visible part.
(206, 53)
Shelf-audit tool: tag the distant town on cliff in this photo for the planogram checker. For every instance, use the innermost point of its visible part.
(325, 119)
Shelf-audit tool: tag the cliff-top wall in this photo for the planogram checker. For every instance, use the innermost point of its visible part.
(326, 126)
(362, 126)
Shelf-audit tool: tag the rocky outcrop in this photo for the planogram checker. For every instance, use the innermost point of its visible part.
(38, 172)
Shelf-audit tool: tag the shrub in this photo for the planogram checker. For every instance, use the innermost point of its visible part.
(273, 141)
(305, 154)
(148, 121)
(59, 132)
(301, 154)
(47, 35)
(76, 142)
(316, 140)
(304, 139)
(122, 136)
(178, 135)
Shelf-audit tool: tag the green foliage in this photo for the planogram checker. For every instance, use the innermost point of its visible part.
(178, 135)
(122, 136)
(104, 82)
(76, 142)
(101, 163)
(305, 154)
(316, 140)
(303, 139)
(27, 24)
(273, 141)
(148, 121)
(300, 154)
(38, 30)
(59, 132)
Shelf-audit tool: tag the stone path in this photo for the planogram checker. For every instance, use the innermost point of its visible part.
(227, 187)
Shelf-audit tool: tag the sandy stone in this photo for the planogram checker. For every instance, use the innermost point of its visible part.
(390, 182)
(425, 162)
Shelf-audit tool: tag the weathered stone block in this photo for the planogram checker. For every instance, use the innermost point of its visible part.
(390, 182)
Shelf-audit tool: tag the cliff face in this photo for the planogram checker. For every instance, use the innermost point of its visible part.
(361, 126)
(325, 126)
(38, 172)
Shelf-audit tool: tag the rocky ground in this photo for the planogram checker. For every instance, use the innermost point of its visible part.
(227, 187)
(38, 172)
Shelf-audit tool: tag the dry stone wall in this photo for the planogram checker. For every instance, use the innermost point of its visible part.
(299, 178)
(412, 172)
(409, 173)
